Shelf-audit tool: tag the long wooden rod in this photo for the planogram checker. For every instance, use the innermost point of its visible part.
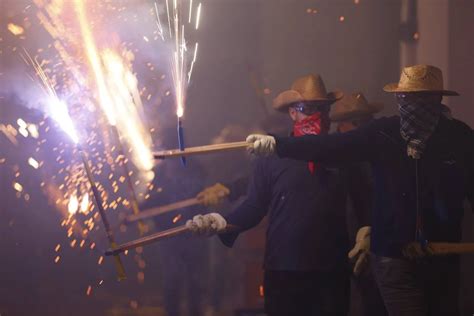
(200, 150)
(161, 210)
(156, 237)
(98, 202)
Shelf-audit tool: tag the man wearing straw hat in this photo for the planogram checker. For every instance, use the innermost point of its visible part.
(423, 168)
(305, 261)
(351, 112)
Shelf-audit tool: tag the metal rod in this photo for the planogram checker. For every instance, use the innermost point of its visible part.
(161, 210)
(98, 201)
(156, 237)
(200, 150)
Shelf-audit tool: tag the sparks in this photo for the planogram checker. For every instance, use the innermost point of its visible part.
(32, 162)
(15, 29)
(73, 205)
(198, 16)
(85, 203)
(18, 187)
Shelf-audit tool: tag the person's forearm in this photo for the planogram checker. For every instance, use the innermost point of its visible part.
(351, 146)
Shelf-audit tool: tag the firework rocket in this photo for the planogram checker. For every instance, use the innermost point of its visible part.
(181, 140)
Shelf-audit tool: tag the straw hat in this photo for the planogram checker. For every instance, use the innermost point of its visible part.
(307, 88)
(420, 78)
(353, 106)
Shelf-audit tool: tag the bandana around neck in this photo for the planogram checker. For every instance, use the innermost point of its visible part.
(314, 124)
(418, 120)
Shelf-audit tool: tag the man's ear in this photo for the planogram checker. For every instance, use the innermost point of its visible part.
(292, 113)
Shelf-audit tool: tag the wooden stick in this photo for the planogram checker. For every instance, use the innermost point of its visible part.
(161, 210)
(199, 150)
(156, 237)
(414, 249)
(447, 248)
(98, 202)
(142, 228)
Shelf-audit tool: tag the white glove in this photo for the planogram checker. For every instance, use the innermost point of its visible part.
(207, 225)
(360, 252)
(261, 145)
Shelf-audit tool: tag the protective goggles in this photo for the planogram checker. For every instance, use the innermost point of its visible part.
(309, 108)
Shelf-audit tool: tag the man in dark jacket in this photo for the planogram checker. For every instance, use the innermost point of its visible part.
(306, 270)
(423, 168)
(353, 111)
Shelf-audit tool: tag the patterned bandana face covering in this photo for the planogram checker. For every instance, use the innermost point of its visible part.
(314, 124)
(419, 116)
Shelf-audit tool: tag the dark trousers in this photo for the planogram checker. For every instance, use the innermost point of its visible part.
(289, 293)
(429, 287)
(365, 296)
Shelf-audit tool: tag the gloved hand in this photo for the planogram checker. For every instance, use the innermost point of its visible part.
(213, 195)
(414, 250)
(207, 225)
(261, 145)
(360, 252)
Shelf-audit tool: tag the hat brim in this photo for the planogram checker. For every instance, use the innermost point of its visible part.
(374, 108)
(283, 101)
(393, 88)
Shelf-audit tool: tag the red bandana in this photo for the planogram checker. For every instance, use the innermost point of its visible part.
(314, 124)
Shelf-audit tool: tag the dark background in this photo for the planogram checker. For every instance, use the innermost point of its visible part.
(273, 40)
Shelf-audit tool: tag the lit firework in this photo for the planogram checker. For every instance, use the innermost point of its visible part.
(178, 21)
(59, 112)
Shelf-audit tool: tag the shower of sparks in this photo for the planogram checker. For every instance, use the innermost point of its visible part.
(56, 107)
(181, 66)
(117, 88)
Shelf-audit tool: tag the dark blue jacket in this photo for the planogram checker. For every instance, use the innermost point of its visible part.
(447, 177)
(306, 212)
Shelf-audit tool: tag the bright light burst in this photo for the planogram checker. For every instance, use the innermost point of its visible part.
(181, 66)
(55, 107)
(117, 88)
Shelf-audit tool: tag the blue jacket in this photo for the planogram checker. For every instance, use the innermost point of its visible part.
(447, 168)
(306, 215)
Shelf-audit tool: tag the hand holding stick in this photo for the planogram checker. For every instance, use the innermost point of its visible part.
(210, 196)
(156, 237)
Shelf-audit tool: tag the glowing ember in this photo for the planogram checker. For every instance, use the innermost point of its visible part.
(89, 290)
(73, 205)
(85, 203)
(56, 260)
(18, 187)
(15, 29)
(32, 162)
(33, 129)
(177, 218)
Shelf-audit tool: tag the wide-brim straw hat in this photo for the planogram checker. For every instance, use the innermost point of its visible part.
(420, 78)
(353, 106)
(309, 88)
